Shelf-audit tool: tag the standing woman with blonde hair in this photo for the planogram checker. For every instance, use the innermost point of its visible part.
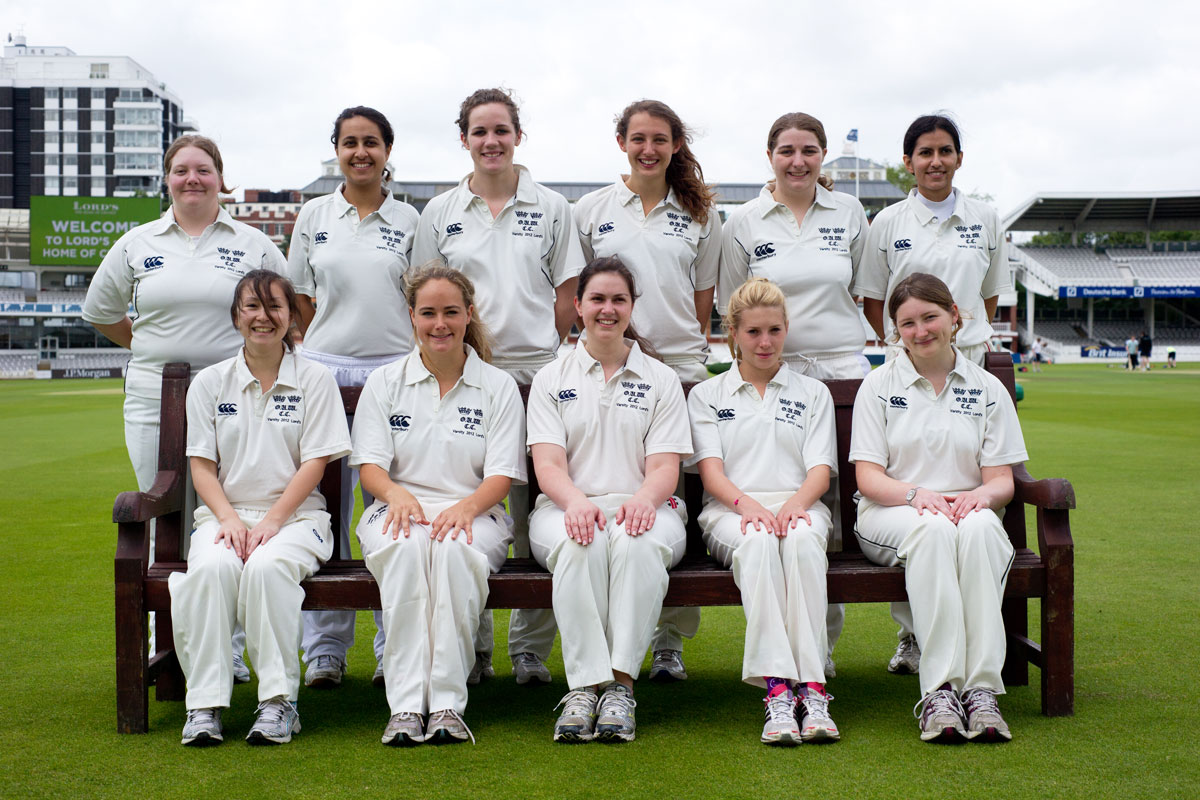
(178, 272)
(349, 254)
(661, 222)
(941, 231)
(515, 239)
(439, 438)
(765, 447)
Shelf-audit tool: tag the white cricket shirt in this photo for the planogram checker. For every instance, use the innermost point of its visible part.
(939, 442)
(259, 439)
(964, 251)
(768, 443)
(355, 271)
(440, 448)
(670, 255)
(814, 263)
(181, 291)
(516, 260)
(608, 428)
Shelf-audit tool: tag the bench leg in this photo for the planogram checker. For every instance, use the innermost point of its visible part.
(1016, 623)
(132, 665)
(1058, 637)
(169, 684)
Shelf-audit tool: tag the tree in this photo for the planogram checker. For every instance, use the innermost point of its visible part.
(900, 177)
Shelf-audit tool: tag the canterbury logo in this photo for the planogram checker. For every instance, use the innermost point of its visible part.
(567, 394)
(454, 228)
(725, 413)
(321, 237)
(898, 402)
(399, 422)
(606, 228)
(153, 262)
(764, 250)
(226, 408)
(902, 244)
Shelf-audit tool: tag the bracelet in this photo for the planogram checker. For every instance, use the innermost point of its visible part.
(739, 497)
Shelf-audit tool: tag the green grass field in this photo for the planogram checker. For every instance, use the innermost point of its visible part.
(1129, 444)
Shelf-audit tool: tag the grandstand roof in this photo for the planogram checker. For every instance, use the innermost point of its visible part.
(1107, 211)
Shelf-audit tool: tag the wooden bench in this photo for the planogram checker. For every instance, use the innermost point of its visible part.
(698, 580)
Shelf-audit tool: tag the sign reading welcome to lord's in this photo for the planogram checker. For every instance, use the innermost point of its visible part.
(78, 231)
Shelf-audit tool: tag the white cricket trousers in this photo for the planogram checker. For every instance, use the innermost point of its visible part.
(783, 589)
(432, 594)
(955, 577)
(263, 594)
(607, 595)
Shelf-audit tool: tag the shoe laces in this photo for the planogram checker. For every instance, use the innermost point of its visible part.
(328, 662)
(201, 716)
(669, 658)
(908, 646)
(980, 701)
(941, 701)
(274, 710)
(446, 718)
(816, 704)
(578, 702)
(780, 707)
(617, 701)
(529, 660)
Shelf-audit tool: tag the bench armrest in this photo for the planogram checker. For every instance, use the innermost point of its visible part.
(1048, 493)
(164, 497)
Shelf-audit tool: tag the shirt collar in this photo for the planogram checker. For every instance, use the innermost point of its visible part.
(767, 202)
(732, 381)
(526, 188)
(909, 374)
(415, 370)
(626, 195)
(387, 211)
(167, 221)
(923, 213)
(286, 378)
(636, 362)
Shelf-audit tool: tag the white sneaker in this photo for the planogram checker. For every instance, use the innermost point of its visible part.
(815, 723)
(668, 666)
(940, 717)
(481, 669)
(325, 672)
(203, 727)
(377, 680)
(780, 727)
(907, 659)
(277, 721)
(614, 717)
(577, 722)
(404, 730)
(241, 672)
(528, 668)
(447, 727)
(984, 722)
(830, 668)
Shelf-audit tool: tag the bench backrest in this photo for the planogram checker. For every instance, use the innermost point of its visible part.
(173, 435)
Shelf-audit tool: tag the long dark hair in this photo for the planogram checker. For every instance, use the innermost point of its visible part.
(614, 265)
(683, 173)
(367, 113)
(261, 282)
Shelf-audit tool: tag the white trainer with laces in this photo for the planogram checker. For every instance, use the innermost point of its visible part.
(481, 669)
(404, 730)
(577, 723)
(984, 723)
(907, 658)
(529, 669)
(815, 723)
(203, 727)
(277, 721)
(940, 717)
(447, 727)
(614, 717)
(780, 727)
(241, 672)
(325, 672)
(668, 666)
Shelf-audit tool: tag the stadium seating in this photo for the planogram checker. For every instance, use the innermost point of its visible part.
(1078, 266)
(20, 365)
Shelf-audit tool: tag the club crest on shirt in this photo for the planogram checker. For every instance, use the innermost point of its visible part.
(678, 225)
(391, 240)
(967, 401)
(230, 260)
(791, 412)
(970, 237)
(470, 422)
(287, 408)
(833, 240)
(634, 395)
(528, 224)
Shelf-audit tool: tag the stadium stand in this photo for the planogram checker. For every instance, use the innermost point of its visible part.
(18, 365)
(91, 359)
(1078, 266)
(62, 297)
(12, 295)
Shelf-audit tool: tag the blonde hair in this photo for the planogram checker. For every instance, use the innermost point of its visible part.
(754, 293)
(477, 335)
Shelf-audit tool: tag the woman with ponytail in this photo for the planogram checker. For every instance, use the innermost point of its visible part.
(439, 439)
(607, 428)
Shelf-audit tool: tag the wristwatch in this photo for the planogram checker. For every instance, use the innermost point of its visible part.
(909, 495)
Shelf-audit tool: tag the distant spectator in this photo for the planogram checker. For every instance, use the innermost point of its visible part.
(1171, 358)
(1143, 348)
(1131, 356)
(1035, 355)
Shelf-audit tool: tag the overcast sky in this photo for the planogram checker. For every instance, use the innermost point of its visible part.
(1050, 96)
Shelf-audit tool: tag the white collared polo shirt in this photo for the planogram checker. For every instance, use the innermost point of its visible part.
(440, 448)
(181, 291)
(939, 442)
(670, 255)
(964, 251)
(608, 428)
(355, 271)
(258, 438)
(768, 443)
(515, 260)
(814, 263)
